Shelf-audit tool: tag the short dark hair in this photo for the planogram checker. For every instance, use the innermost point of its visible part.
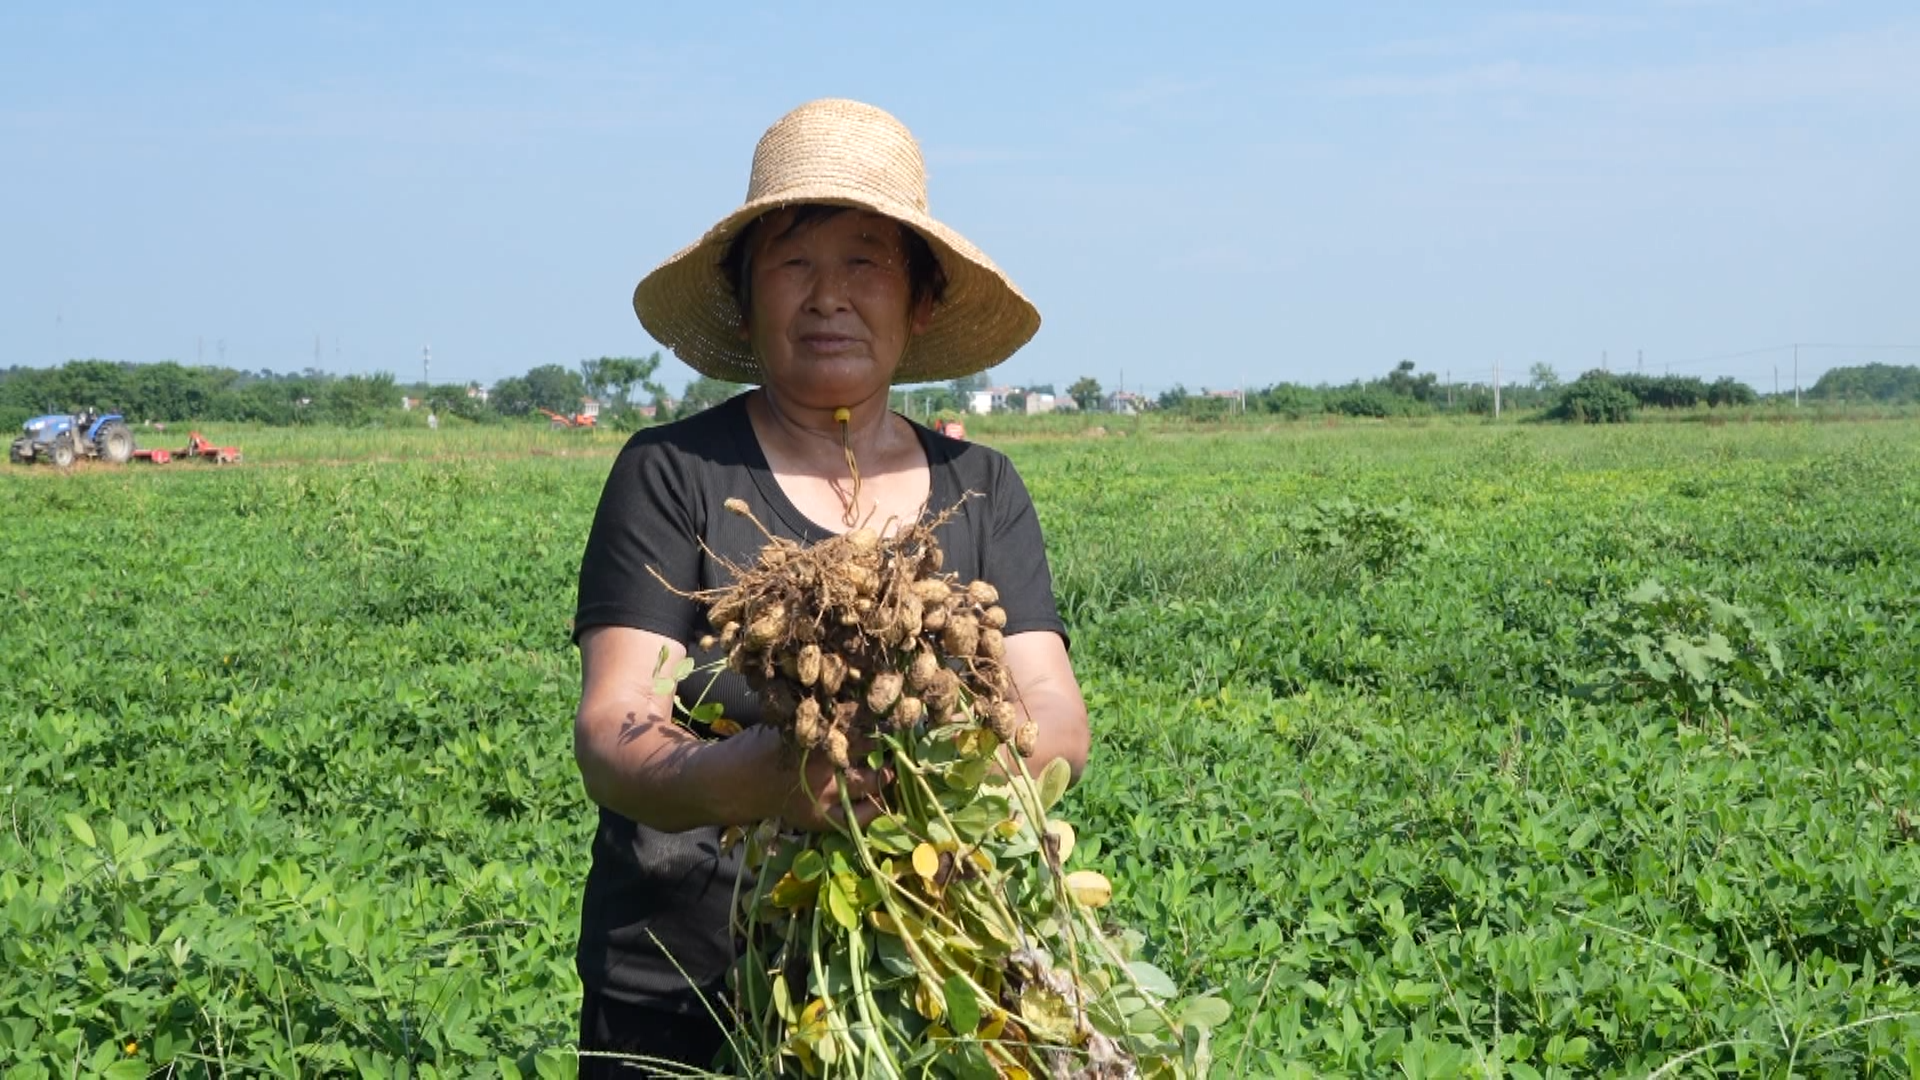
(926, 278)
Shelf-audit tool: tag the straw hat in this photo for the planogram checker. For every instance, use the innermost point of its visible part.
(846, 154)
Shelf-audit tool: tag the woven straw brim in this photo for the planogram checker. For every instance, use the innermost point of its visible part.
(687, 305)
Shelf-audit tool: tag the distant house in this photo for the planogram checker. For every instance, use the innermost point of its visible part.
(589, 407)
(408, 403)
(992, 399)
(1046, 403)
(479, 393)
(1127, 403)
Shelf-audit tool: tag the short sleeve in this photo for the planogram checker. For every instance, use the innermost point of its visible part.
(1014, 557)
(645, 523)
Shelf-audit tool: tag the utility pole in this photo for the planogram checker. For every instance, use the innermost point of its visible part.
(1496, 389)
(1776, 381)
(1603, 361)
(1796, 375)
(1449, 389)
(426, 366)
(1639, 361)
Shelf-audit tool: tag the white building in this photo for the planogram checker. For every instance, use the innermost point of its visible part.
(988, 400)
(1046, 403)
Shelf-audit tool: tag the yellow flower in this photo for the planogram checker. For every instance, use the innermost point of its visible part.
(132, 1048)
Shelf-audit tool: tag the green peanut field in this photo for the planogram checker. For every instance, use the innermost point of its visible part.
(1432, 749)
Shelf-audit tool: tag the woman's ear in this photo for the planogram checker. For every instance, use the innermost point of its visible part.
(921, 316)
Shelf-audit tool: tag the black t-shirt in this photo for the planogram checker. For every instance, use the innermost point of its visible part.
(651, 893)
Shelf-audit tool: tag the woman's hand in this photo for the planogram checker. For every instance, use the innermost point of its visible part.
(811, 786)
(1045, 690)
(636, 761)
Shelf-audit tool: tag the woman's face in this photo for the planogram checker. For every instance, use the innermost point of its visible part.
(830, 306)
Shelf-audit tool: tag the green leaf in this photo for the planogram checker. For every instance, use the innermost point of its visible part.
(840, 903)
(1408, 992)
(1152, 980)
(1582, 836)
(963, 1008)
(783, 1000)
(82, 831)
(808, 865)
(1205, 1012)
(1649, 591)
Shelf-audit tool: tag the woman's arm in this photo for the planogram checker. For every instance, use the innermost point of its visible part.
(636, 761)
(1045, 689)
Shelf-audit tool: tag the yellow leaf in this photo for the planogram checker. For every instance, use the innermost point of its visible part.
(724, 727)
(1053, 782)
(883, 922)
(1063, 838)
(791, 892)
(926, 861)
(927, 1001)
(1090, 887)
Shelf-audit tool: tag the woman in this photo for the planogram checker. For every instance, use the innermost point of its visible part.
(830, 284)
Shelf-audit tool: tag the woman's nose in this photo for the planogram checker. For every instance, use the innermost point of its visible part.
(829, 292)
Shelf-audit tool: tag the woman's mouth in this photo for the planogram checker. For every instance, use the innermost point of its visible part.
(829, 343)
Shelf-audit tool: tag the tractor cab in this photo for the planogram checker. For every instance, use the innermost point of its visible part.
(61, 438)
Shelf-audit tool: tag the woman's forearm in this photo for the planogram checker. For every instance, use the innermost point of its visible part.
(641, 765)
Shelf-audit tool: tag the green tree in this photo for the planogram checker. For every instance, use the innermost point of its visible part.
(964, 386)
(1402, 382)
(554, 388)
(1594, 398)
(704, 393)
(1086, 394)
(1869, 382)
(358, 400)
(511, 396)
(1543, 378)
(612, 379)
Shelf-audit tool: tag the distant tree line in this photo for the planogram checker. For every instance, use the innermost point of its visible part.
(1404, 391)
(629, 396)
(170, 391)
(1883, 383)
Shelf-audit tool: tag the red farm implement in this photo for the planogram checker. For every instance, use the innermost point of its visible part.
(558, 421)
(197, 447)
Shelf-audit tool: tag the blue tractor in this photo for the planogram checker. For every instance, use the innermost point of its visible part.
(62, 439)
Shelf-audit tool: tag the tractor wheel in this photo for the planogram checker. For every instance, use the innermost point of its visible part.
(114, 443)
(60, 452)
(559, 425)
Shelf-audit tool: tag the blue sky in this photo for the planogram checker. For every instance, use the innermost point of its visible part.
(1214, 195)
